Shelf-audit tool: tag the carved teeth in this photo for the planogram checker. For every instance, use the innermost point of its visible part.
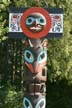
(35, 28)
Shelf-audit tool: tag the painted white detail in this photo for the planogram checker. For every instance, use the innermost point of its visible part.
(28, 101)
(57, 23)
(14, 22)
(39, 102)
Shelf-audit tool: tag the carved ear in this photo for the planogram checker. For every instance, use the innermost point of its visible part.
(30, 43)
(25, 42)
(45, 43)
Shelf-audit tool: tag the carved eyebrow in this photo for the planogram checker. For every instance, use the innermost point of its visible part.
(30, 43)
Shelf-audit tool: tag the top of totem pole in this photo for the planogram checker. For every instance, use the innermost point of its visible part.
(35, 22)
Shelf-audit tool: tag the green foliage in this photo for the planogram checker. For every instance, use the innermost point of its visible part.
(4, 7)
(9, 98)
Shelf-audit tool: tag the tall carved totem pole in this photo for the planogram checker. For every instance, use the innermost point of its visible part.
(35, 25)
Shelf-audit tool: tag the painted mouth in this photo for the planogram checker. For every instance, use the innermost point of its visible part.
(35, 28)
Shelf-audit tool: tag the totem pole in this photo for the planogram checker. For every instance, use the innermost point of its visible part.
(35, 25)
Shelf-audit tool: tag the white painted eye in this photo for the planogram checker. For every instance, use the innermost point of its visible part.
(41, 103)
(42, 57)
(27, 103)
(28, 56)
(29, 20)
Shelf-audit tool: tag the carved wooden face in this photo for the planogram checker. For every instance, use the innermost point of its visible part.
(35, 56)
(35, 22)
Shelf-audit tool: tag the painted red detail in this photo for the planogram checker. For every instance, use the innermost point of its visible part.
(29, 33)
(36, 69)
(15, 16)
(57, 17)
(39, 67)
(30, 67)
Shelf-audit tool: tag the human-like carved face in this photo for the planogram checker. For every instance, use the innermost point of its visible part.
(35, 22)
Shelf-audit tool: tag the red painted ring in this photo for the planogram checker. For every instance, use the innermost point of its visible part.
(39, 34)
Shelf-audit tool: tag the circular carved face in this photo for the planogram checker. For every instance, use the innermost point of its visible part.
(35, 22)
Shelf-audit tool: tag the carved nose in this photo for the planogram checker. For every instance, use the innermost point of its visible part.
(35, 66)
(36, 22)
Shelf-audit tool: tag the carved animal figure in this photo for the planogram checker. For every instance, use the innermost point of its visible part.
(35, 56)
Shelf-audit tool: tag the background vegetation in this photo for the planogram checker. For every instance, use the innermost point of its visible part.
(59, 81)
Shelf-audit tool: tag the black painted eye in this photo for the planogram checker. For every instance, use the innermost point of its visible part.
(42, 21)
(41, 103)
(28, 56)
(27, 103)
(42, 57)
(29, 20)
